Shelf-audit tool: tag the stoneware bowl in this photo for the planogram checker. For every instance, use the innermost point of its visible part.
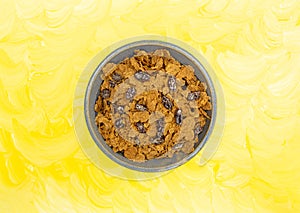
(116, 56)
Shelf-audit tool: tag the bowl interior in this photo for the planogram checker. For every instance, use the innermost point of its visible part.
(92, 92)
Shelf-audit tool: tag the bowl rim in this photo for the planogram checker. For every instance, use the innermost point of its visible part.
(182, 49)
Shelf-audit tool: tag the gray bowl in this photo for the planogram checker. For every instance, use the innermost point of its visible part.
(92, 92)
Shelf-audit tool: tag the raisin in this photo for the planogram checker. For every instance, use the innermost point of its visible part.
(119, 109)
(105, 93)
(112, 84)
(140, 107)
(142, 76)
(158, 140)
(172, 83)
(130, 93)
(160, 122)
(160, 127)
(198, 129)
(119, 123)
(193, 96)
(178, 116)
(159, 132)
(116, 77)
(140, 127)
(136, 140)
(178, 146)
(167, 103)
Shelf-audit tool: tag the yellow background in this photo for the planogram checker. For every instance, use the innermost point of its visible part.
(254, 47)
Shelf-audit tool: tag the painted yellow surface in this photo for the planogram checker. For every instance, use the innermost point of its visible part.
(254, 47)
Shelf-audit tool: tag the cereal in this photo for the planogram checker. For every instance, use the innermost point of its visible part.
(142, 116)
(108, 68)
(173, 69)
(144, 103)
(130, 153)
